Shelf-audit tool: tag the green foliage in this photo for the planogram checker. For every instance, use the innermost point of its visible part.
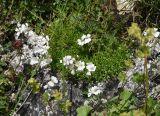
(124, 102)
(65, 106)
(133, 113)
(67, 22)
(106, 51)
(83, 110)
(4, 88)
(45, 97)
(135, 31)
(138, 78)
(129, 63)
(34, 84)
(57, 95)
(122, 77)
(3, 105)
(142, 52)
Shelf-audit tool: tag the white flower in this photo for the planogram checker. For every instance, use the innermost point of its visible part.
(45, 62)
(37, 49)
(87, 39)
(84, 39)
(94, 90)
(156, 33)
(91, 68)
(17, 63)
(61, 61)
(45, 87)
(80, 65)
(31, 33)
(50, 84)
(157, 47)
(73, 72)
(54, 79)
(88, 73)
(67, 60)
(145, 33)
(34, 60)
(89, 94)
(80, 42)
(32, 40)
(34, 51)
(19, 68)
(23, 28)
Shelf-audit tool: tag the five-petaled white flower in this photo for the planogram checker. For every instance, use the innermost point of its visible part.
(94, 90)
(67, 60)
(84, 39)
(80, 65)
(54, 79)
(90, 67)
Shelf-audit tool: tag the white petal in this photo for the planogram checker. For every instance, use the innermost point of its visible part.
(89, 94)
(88, 35)
(34, 60)
(156, 34)
(83, 37)
(54, 79)
(50, 84)
(87, 40)
(88, 73)
(73, 72)
(45, 62)
(80, 42)
(45, 87)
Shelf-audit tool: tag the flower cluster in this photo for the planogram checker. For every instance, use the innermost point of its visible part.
(84, 39)
(51, 83)
(34, 49)
(72, 64)
(95, 90)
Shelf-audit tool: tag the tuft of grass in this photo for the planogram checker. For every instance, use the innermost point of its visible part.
(106, 50)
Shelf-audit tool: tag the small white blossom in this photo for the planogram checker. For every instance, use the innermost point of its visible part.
(54, 79)
(88, 73)
(80, 42)
(156, 32)
(45, 62)
(73, 72)
(50, 84)
(91, 68)
(67, 60)
(80, 65)
(87, 39)
(21, 28)
(34, 60)
(94, 90)
(45, 87)
(84, 39)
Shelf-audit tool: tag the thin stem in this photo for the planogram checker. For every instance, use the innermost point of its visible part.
(146, 83)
